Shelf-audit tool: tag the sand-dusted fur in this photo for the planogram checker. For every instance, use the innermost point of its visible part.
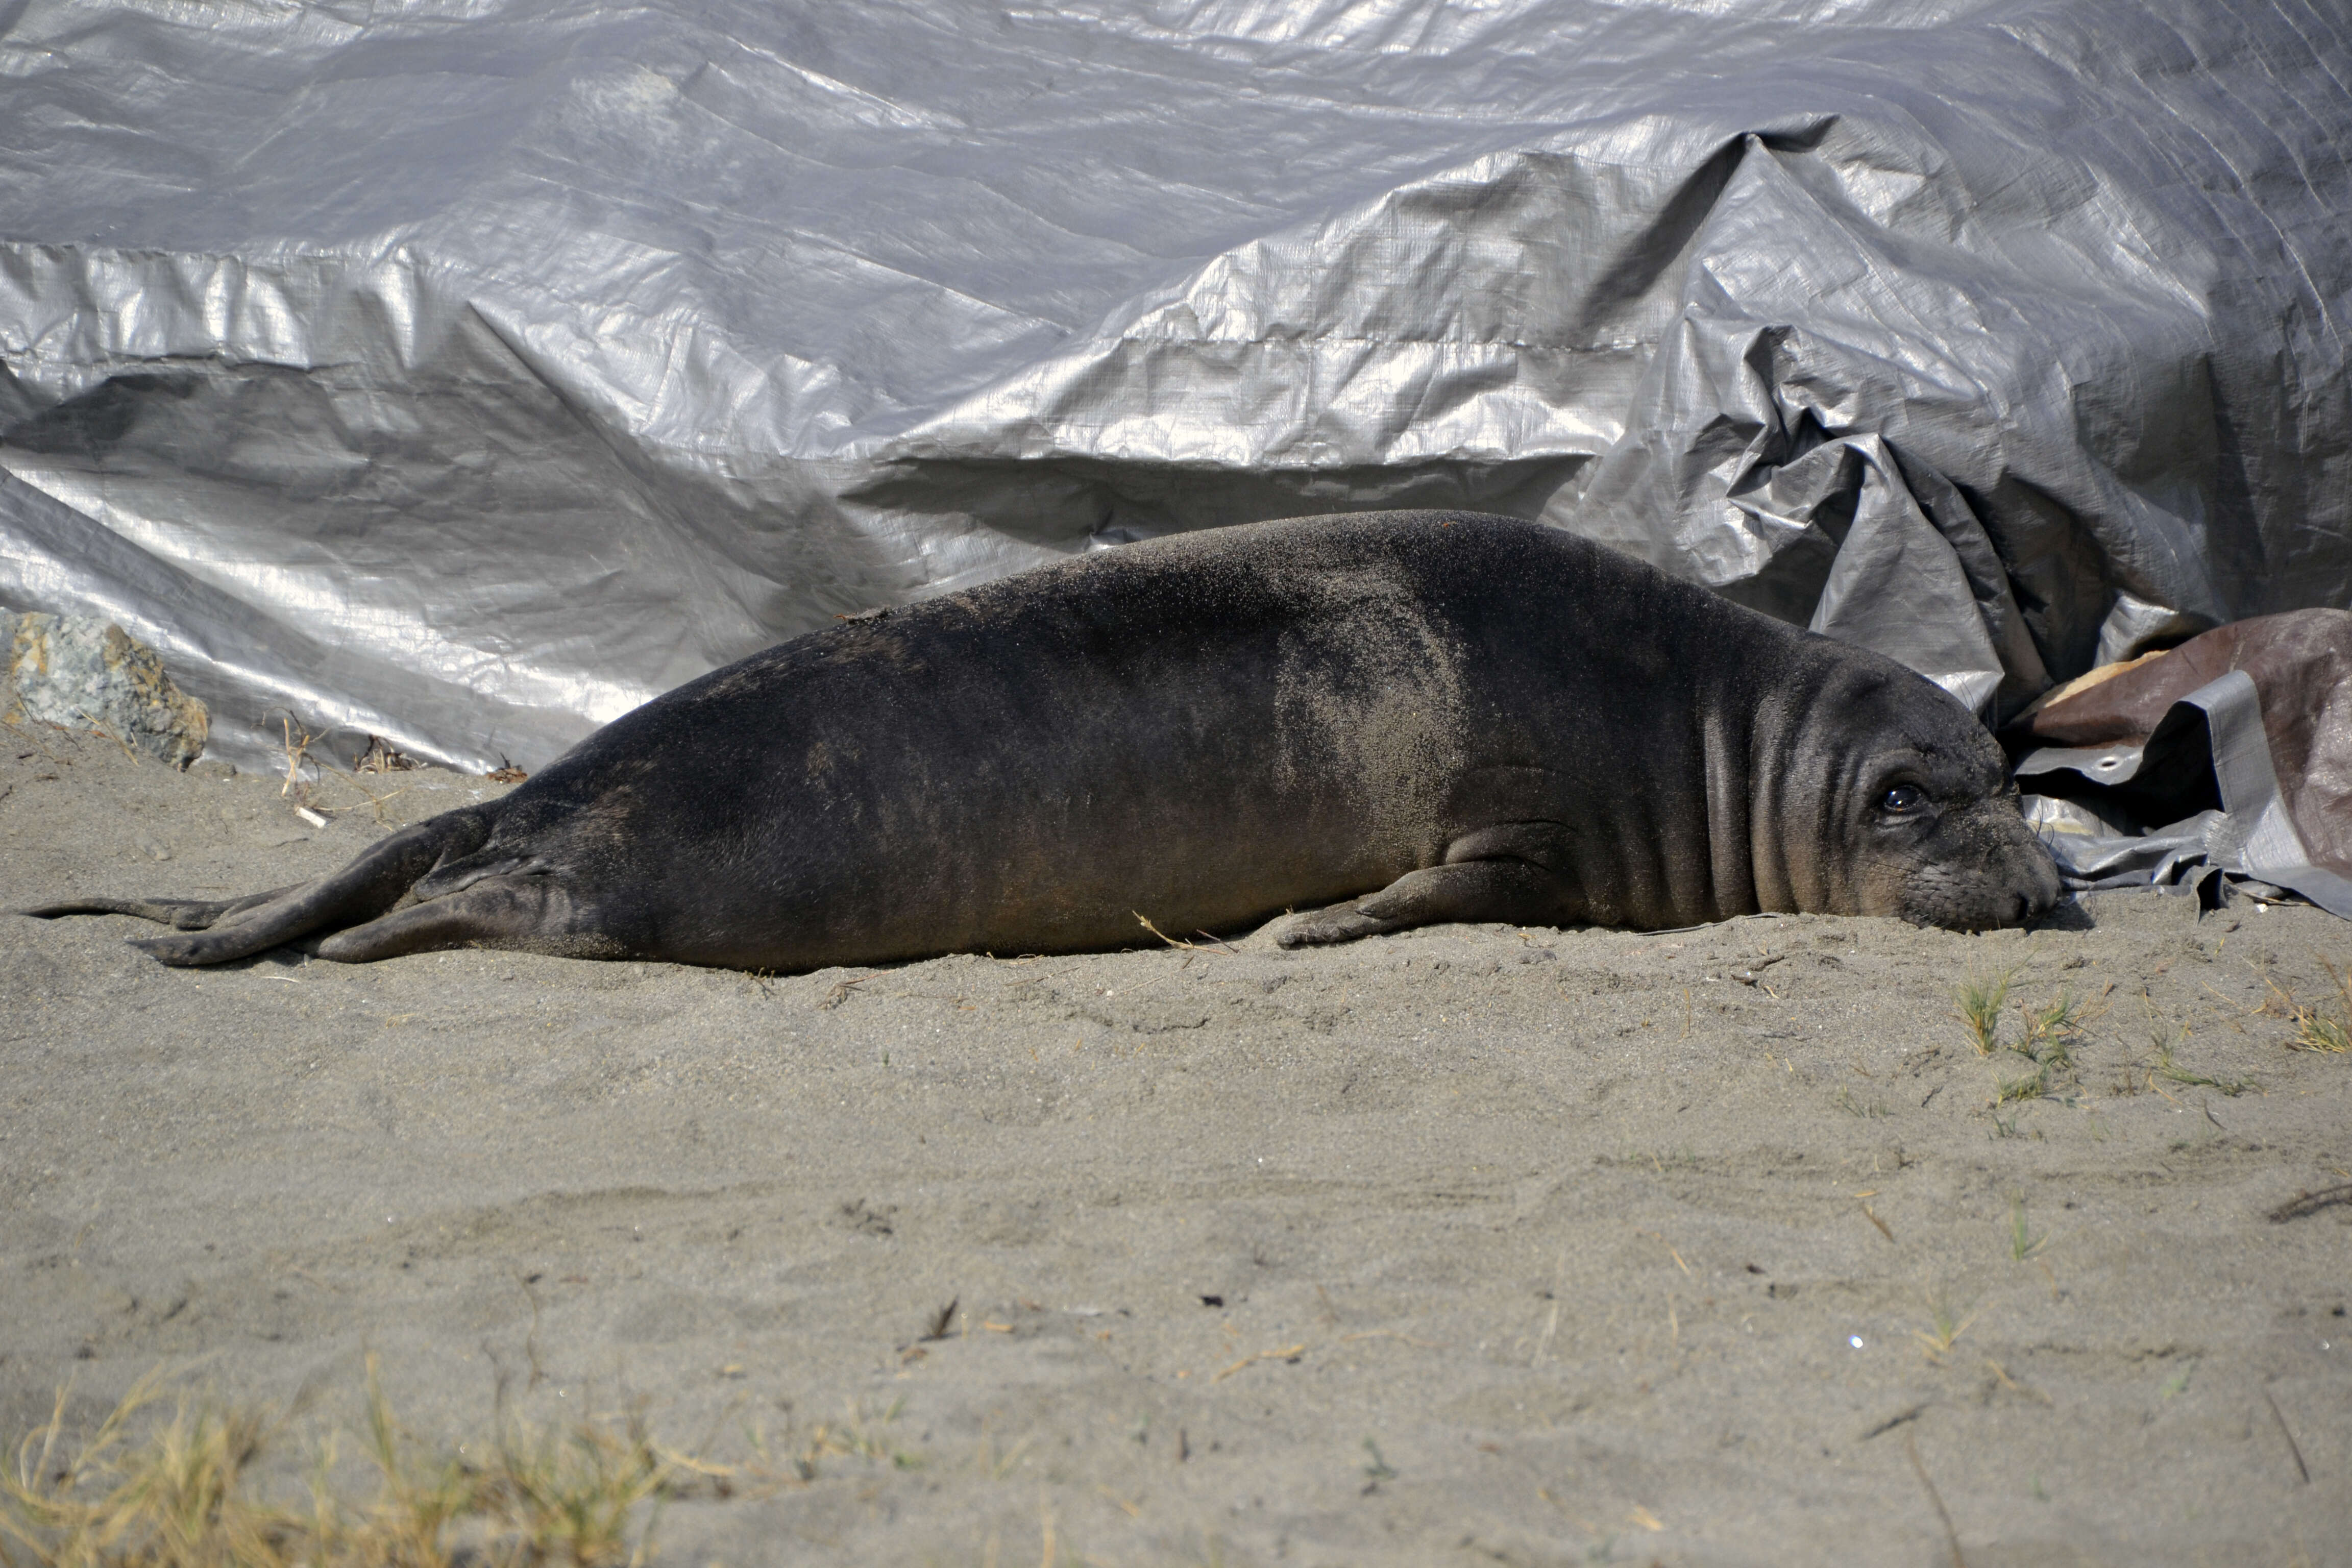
(1442, 716)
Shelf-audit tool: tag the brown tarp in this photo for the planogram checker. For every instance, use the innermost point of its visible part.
(2298, 663)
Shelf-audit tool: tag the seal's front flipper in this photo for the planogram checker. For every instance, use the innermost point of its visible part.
(1512, 891)
(528, 913)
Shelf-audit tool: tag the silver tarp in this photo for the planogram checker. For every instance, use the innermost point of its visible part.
(464, 373)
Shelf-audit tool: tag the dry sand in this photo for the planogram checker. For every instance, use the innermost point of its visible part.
(1470, 1244)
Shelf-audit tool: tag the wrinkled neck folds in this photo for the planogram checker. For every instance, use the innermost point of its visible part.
(1793, 758)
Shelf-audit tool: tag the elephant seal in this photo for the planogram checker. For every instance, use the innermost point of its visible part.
(1439, 716)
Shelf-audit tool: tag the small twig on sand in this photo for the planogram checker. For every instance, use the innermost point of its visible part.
(1290, 1353)
(97, 729)
(1669, 1246)
(2311, 1203)
(2014, 1386)
(373, 801)
(1892, 1422)
(1178, 942)
(297, 753)
(1911, 1446)
(2292, 1445)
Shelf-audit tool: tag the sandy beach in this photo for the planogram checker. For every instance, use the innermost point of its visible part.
(1472, 1245)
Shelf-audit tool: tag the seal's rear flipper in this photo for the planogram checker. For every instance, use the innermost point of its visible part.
(222, 932)
(187, 914)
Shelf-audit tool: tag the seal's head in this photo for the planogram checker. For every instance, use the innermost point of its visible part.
(1919, 818)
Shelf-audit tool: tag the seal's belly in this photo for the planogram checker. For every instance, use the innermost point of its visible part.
(1076, 852)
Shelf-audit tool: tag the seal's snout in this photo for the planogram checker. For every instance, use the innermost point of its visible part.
(2042, 889)
(2048, 887)
(1985, 870)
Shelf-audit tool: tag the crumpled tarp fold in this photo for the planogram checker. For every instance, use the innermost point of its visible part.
(463, 374)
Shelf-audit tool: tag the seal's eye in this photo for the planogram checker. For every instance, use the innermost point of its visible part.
(1901, 800)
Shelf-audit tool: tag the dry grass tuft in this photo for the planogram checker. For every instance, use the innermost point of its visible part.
(2327, 1026)
(177, 1498)
(2168, 1040)
(2046, 1035)
(1980, 998)
(171, 1479)
(1948, 1321)
(2024, 1242)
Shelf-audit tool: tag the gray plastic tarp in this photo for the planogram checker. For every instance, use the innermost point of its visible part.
(466, 373)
